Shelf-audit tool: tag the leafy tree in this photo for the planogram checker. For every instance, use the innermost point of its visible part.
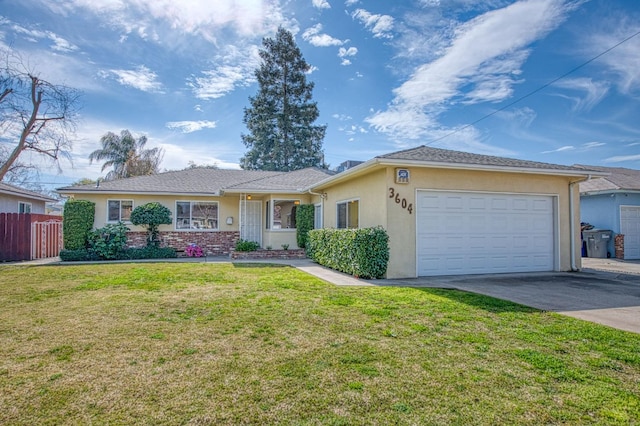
(84, 181)
(151, 215)
(35, 115)
(280, 120)
(127, 156)
(193, 165)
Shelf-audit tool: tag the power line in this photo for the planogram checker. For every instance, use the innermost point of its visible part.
(533, 92)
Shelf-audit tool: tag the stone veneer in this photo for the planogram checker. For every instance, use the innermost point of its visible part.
(619, 246)
(212, 243)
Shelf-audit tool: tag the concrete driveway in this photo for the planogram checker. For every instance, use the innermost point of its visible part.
(601, 293)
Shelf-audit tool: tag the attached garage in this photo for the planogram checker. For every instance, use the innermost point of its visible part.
(479, 233)
(630, 227)
(458, 213)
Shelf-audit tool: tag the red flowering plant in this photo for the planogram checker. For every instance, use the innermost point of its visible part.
(194, 250)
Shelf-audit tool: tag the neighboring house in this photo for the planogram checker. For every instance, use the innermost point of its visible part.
(14, 199)
(446, 212)
(613, 203)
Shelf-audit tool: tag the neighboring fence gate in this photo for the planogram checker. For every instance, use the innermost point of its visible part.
(26, 236)
(46, 239)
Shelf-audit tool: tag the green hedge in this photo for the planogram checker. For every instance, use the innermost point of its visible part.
(362, 252)
(77, 221)
(126, 254)
(304, 223)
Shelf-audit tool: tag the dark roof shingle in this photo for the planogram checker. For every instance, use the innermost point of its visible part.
(207, 181)
(620, 179)
(6, 188)
(438, 155)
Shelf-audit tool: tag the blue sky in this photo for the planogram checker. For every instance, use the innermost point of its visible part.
(388, 75)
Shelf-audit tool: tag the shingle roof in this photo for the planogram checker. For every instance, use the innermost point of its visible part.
(620, 179)
(5, 188)
(207, 181)
(437, 155)
(288, 181)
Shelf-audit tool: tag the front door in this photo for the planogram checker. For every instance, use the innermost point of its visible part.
(251, 221)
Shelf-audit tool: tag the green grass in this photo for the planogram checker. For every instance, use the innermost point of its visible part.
(199, 343)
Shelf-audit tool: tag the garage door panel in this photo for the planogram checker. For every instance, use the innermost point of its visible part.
(471, 233)
(630, 227)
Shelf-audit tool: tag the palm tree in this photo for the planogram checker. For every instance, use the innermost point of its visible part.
(126, 156)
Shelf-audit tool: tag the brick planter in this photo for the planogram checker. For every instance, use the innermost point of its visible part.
(269, 254)
(216, 243)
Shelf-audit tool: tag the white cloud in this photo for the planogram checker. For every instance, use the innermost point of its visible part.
(379, 25)
(345, 53)
(352, 51)
(622, 158)
(314, 37)
(235, 70)
(594, 92)
(190, 126)
(177, 157)
(142, 78)
(60, 44)
(321, 4)
(561, 149)
(33, 35)
(252, 18)
(481, 63)
(591, 145)
(624, 60)
(351, 2)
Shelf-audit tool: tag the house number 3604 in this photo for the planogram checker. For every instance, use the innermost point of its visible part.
(399, 200)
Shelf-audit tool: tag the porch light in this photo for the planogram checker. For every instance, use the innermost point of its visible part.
(230, 220)
(248, 197)
(296, 202)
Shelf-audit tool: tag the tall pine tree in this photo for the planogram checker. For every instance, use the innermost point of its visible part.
(280, 120)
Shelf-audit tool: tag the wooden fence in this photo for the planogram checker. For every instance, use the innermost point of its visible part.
(26, 236)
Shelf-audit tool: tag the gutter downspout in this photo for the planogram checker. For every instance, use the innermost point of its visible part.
(572, 226)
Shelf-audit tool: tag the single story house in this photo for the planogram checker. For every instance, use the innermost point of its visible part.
(613, 203)
(14, 199)
(446, 212)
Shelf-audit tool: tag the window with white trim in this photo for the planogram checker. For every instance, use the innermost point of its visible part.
(283, 214)
(348, 214)
(119, 210)
(201, 215)
(24, 207)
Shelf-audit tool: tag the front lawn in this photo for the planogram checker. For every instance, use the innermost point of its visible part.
(197, 343)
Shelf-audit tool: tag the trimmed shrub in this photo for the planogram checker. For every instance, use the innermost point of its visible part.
(244, 245)
(151, 216)
(147, 253)
(74, 255)
(77, 221)
(362, 252)
(125, 254)
(304, 223)
(108, 242)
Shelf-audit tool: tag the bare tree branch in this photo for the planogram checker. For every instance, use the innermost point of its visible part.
(37, 114)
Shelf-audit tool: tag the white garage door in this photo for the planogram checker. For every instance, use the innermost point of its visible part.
(479, 233)
(630, 227)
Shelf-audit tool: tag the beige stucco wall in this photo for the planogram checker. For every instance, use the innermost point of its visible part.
(378, 208)
(229, 206)
(369, 190)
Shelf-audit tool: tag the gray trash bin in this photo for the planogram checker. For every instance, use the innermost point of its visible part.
(597, 242)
